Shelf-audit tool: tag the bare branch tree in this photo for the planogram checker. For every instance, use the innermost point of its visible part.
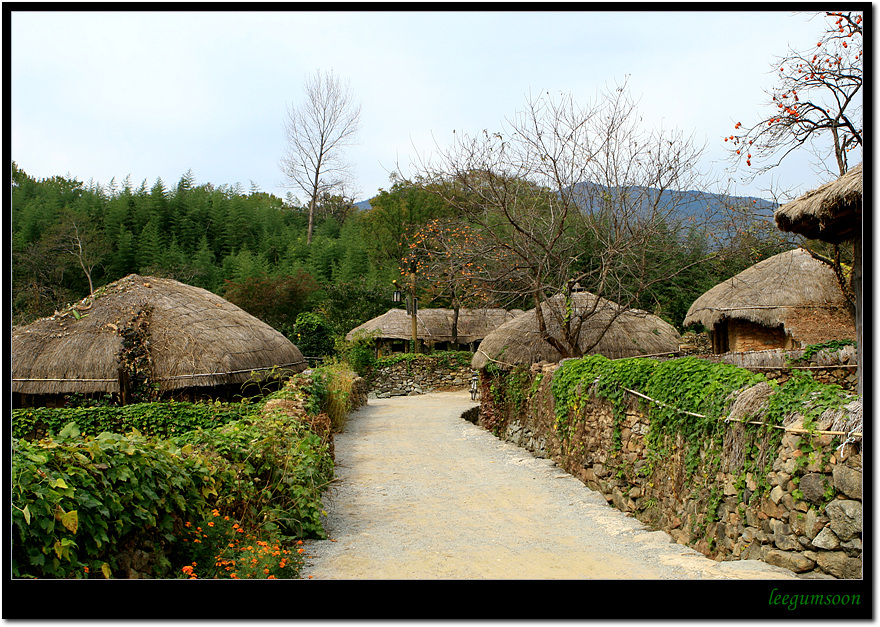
(317, 131)
(80, 238)
(571, 197)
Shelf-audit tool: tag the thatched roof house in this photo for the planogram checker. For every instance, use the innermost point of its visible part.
(832, 213)
(393, 329)
(631, 334)
(148, 329)
(788, 301)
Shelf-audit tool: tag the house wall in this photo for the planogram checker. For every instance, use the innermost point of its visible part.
(744, 335)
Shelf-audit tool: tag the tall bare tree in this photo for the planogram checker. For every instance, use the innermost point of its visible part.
(317, 132)
(570, 197)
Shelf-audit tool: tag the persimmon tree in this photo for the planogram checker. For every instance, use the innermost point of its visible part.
(566, 197)
(815, 104)
(444, 256)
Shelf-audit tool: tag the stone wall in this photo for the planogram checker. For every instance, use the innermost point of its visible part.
(803, 512)
(425, 374)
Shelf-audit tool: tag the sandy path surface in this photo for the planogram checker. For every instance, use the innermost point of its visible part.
(423, 494)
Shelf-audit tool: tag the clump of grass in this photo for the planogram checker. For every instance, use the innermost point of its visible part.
(338, 378)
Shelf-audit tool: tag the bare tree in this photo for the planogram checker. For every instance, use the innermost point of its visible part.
(79, 237)
(567, 198)
(317, 131)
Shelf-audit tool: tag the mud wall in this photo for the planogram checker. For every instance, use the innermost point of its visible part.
(803, 512)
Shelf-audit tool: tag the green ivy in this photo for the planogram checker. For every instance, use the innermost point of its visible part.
(830, 346)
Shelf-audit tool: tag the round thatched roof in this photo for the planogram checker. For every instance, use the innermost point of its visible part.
(194, 338)
(780, 290)
(434, 325)
(832, 212)
(632, 333)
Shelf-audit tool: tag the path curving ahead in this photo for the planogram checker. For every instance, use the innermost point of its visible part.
(423, 494)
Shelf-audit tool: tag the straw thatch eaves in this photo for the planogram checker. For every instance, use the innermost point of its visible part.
(193, 339)
(434, 325)
(832, 212)
(633, 333)
(792, 290)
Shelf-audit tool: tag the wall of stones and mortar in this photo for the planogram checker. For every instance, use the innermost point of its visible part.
(804, 513)
(420, 376)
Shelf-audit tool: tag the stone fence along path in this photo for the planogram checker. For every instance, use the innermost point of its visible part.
(423, 494)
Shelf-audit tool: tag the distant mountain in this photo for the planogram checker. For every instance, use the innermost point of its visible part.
(688, 203)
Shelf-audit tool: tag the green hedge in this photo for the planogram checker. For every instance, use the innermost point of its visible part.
(163, 420)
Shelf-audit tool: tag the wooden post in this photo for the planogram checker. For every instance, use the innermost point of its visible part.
(415, 324)
(124, 386)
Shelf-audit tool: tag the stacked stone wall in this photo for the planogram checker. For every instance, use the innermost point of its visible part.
(804, 512)
(420, 376)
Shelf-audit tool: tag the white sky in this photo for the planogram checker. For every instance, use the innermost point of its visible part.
(103, 94)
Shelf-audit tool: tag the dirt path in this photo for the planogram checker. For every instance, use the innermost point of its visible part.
(424, 494)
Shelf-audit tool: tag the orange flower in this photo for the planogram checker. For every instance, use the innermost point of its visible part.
(86, 569)
(270, 576)
(211, 524)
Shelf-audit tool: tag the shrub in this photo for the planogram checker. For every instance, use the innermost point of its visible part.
(359, 352)
(76, 499)
(313, 335)
(270, 471)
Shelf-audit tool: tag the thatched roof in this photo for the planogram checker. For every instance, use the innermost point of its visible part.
(195, 339)
(832, 212)
(788, 289)
(434, 325)
(633, 333)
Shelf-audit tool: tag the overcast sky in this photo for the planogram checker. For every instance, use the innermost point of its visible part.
(97, 95)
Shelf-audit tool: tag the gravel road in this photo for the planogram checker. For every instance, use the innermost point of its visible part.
(423, 494)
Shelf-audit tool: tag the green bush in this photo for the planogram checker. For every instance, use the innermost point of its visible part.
(270, 471)
(76, 499)
(313, 335)
(162, 420)
(359, 352)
